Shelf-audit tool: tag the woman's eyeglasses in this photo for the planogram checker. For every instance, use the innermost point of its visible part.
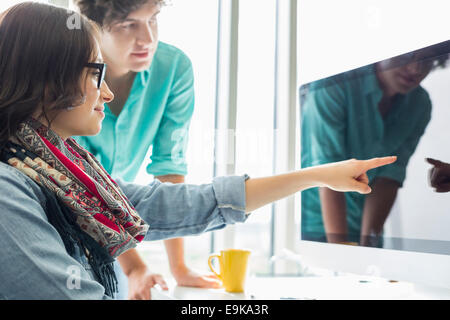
(102, 68)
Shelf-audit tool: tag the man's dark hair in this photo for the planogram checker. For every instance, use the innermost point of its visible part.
(437, 55)
(42, 61)
(106, 12)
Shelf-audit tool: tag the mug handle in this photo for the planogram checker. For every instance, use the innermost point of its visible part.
(210, 265)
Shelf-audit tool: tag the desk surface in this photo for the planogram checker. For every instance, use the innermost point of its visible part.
(306, 288)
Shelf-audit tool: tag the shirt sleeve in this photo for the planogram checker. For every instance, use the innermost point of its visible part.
(35, 263)
(397, 170)
(324, 124)
(170, 143)
(177, 210)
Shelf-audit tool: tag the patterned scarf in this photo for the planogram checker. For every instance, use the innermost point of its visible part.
(105, 218)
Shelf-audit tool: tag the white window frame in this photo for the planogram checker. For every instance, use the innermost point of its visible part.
(284, 233)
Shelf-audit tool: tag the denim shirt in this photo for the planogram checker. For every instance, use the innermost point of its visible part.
(35, 263)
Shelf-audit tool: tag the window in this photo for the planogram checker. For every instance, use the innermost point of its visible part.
(255, 119)
(259, 97)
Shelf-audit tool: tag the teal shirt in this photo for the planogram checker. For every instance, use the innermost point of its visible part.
(156, 114)
(341, 120)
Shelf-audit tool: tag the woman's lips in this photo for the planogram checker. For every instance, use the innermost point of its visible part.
(100, 110)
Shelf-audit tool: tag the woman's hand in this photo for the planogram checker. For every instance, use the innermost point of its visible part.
(140, 281)
(349, 175)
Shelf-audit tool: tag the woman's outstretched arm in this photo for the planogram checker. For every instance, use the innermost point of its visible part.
(349, 175)
(177, 210)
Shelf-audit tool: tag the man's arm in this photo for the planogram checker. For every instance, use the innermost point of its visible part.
(140, 279)
(173, 178)
(379, 203)
(324, 140)
(377, 207)
(170, 143)
(175, 253)
(334, 214)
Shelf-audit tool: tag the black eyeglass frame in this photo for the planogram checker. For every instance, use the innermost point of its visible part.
(102, 68)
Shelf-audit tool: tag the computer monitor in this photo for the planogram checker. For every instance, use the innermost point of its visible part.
(398, 106)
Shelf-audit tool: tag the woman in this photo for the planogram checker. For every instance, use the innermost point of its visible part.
(65, 220)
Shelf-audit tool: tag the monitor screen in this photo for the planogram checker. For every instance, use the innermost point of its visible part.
(399, 106)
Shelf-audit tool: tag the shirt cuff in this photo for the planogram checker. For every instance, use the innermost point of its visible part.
(230, 196)
(167, 167)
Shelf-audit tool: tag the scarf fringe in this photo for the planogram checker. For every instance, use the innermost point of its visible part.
(62, 218)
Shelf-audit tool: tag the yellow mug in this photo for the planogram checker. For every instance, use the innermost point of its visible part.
(233, 268)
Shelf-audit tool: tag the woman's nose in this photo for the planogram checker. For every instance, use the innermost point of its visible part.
(106, 93)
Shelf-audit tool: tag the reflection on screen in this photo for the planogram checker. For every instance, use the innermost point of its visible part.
(399, 106)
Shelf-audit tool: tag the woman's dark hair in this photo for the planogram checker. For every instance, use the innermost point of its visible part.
(106, 12)
(42, 58)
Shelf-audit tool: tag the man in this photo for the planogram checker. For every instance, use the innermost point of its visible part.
(154, 101)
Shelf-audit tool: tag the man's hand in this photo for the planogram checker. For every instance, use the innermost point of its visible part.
(439, 175)
(140, 281)
(188, 278)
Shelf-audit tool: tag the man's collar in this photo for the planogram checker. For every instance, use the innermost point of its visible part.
(371, 85)
(145, 76)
